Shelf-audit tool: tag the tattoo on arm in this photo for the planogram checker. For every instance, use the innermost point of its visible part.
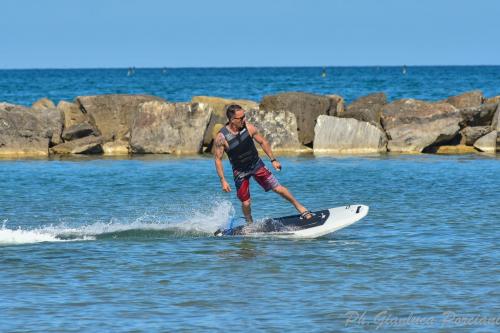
(219, 146)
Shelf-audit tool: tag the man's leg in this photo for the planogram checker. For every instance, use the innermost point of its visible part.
(285, 193)
(247, 210)
(243, 193)
(268, 182)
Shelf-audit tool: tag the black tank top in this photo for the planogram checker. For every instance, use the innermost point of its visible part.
(241, 152)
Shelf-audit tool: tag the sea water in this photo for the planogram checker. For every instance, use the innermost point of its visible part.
(181, 84)
(126, 245)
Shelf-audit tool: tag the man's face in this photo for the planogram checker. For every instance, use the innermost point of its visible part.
(239, 119)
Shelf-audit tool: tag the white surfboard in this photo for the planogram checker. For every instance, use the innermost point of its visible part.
(322, 223)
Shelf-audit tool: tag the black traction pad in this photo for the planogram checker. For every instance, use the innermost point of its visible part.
(280, 224)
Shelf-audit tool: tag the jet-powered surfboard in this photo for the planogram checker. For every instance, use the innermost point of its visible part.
(322, 223)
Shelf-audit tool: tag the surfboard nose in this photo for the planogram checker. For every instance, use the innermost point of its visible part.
(361, 209)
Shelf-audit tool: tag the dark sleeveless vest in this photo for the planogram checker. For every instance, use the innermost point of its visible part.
(242, 152)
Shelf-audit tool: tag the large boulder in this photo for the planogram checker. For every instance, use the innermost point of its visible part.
(456, 149)
(53, 117)
(467, 100)
(487, 143)
(478, 115)
(218, 106)
(112, 114)
(73, 115)
(306, 107)
(495, 125)
(169, 128)
(116, 148)
(347, 135)
(78, 131)
(50, 121)
(493, 100)
(53, 122)
(367, 108)
(495, 122)
(43, 103)
(86, 145)
(337, 105)
(25, 131)
(412, 125)
(19, 145)
(471, 134)
(278, 127)
(9, 106)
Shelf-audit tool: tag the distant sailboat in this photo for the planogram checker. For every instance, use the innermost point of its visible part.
(404, 69)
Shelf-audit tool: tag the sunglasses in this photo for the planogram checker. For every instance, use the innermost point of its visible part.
(239, 118)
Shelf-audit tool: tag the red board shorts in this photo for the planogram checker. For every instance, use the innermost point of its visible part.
(260, 173)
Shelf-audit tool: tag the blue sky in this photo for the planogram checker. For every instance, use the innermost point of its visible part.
(224, 33)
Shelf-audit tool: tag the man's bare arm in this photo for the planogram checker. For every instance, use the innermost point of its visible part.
(266, 147)
(218, 154)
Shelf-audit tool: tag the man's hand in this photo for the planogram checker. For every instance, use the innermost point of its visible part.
(277, 165)
(225, 185)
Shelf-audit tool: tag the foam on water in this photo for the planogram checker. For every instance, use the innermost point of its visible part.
(196, 223)
(19, 236)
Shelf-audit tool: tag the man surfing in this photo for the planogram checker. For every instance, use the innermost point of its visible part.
(236, 138)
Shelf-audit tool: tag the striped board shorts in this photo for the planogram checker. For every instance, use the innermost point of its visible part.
(260, 173)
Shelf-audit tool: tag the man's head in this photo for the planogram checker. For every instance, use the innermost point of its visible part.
(236, 116)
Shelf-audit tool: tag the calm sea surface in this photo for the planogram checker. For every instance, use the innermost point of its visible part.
(125, 245)
(181, 84)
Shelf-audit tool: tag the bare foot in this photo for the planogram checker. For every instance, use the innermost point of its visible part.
(306, 214)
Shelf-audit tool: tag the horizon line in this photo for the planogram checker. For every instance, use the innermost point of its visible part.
(239, 67)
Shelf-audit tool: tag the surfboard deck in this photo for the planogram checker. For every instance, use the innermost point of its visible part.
(322, 223)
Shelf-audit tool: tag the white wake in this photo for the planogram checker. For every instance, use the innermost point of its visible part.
(194, 222)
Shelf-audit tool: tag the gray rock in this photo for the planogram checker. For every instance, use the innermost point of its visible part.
(306, 107)
(413, 125)
(337, 105)
(52, 121)
(495, 122)
(116, 148)
(43, 103)
(45, 123)
(73, 115)
(467, 100)
(16, 119)
(112, 114)
(493, 100)
(487, 143)
(218, 108)
(78, 131)
(278, 127)
(86, 145)
(347, 135)
(478, 116)
(18, 145)
(471, 134)
(9, 106)
(368, 108)
(495, 125)
(25, 131)
(168, 128)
